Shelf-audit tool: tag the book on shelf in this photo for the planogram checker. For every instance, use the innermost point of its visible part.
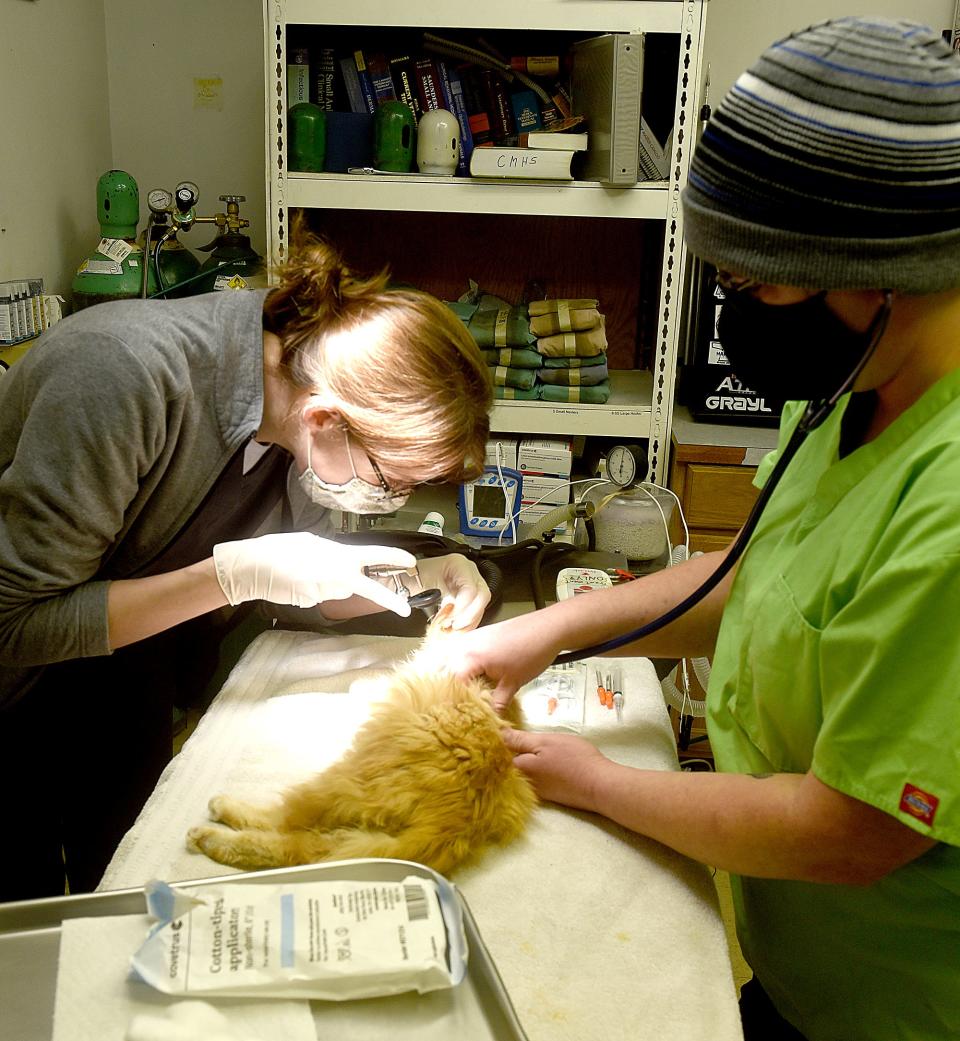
(533, 164)
(498, 105)
(351, 84)
(453, 100)
(428, 84)
(561, 99)
(526, 111)
(564, 142)
(379, 69)
(366, 82)
(323, 76)
(298, 74)
(477, 115)
(653, 159)
(404, 83)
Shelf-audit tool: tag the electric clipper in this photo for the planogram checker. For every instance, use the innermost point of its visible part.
(420, 599)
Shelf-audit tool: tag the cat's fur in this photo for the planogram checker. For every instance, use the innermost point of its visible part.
(427, 778)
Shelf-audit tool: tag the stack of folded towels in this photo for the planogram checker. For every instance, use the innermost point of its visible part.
(503, 335)
(572, 340)
(552, 350)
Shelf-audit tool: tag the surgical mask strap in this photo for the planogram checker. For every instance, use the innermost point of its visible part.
(353, 468)
(346, 437)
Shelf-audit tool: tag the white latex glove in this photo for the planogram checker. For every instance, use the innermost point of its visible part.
(304, 570)
(461, 584)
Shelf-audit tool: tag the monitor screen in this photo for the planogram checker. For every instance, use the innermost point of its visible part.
(489, 501)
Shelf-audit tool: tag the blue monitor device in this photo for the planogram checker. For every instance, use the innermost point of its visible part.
(491, 503)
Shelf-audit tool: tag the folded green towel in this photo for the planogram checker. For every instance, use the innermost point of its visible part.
(574, 344)
(504, 327)
(504, 376)
(516, 357)
(575, 363)
(516, 393)
(586, 377)
(597, 395)
(462, 310)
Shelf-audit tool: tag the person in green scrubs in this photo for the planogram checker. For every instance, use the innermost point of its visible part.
(826, 192)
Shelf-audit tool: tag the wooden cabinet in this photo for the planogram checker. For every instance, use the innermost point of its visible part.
(711, 471)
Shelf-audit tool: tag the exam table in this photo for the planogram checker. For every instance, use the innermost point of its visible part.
(596, 933)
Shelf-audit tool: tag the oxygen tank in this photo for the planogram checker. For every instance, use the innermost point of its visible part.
(233, 262)
(114, 270)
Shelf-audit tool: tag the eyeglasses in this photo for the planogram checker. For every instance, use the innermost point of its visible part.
(730, 283)
(376, 469)
(381, 480)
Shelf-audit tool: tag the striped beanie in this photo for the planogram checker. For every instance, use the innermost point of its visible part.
(834, 163)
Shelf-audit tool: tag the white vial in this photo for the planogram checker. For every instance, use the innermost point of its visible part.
(432, 524)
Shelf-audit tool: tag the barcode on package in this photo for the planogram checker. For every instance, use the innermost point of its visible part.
(417, 907)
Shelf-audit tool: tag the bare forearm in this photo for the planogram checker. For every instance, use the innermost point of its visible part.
(592, 618)
(787, 826)
(141, 607)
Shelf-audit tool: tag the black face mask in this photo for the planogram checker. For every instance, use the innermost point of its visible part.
(794, 352)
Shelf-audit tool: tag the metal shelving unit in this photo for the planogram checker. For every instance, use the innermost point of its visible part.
(641, 404)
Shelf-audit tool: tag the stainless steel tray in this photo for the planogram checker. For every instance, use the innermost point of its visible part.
(30, 949)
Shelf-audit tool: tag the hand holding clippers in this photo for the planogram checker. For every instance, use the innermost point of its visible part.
(425, 600)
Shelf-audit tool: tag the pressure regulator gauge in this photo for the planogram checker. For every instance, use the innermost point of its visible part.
(159, 200)
(627, 464)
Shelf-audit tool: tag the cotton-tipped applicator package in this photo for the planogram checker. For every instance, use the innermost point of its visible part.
(331, 940)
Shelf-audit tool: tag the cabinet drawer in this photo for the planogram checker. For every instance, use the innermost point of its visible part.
(718, 496)
(709, 542)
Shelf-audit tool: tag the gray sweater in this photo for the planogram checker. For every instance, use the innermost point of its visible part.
(112, 429)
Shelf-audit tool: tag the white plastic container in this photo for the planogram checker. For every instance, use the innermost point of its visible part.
(632, 523)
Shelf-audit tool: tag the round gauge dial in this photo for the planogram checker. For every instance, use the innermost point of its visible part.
(159, 200)
(187, 195)
(626, 464)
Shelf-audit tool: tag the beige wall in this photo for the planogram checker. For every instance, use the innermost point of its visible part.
(56, 131)
(162, 133)
(738, 30)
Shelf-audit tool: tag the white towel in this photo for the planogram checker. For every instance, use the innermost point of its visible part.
(95, 1000)
(596, 932)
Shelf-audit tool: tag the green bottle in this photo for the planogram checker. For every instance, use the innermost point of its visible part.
(306, 138)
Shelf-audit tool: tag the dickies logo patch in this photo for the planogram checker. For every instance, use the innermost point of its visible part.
(918, 803)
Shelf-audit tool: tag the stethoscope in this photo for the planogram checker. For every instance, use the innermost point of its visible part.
(814, 415)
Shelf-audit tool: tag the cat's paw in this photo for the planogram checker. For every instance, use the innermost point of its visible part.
(198, 837)
(219, 808)
(239, 849)
(241, 815)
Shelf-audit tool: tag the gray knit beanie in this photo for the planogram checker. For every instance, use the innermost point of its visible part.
(834, 163)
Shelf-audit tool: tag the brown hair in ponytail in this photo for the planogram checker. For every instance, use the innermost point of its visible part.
(396, 363)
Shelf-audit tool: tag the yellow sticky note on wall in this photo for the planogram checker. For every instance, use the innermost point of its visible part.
(208, 92)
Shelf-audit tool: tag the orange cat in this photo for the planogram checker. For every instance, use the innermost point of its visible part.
(427, 778)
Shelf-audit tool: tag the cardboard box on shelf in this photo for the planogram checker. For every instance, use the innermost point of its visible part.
(545, 456)
(548, 491)
(507, 454)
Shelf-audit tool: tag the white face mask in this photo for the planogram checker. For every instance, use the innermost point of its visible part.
(356, 496)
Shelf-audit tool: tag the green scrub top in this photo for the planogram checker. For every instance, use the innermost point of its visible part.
(839, 652)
